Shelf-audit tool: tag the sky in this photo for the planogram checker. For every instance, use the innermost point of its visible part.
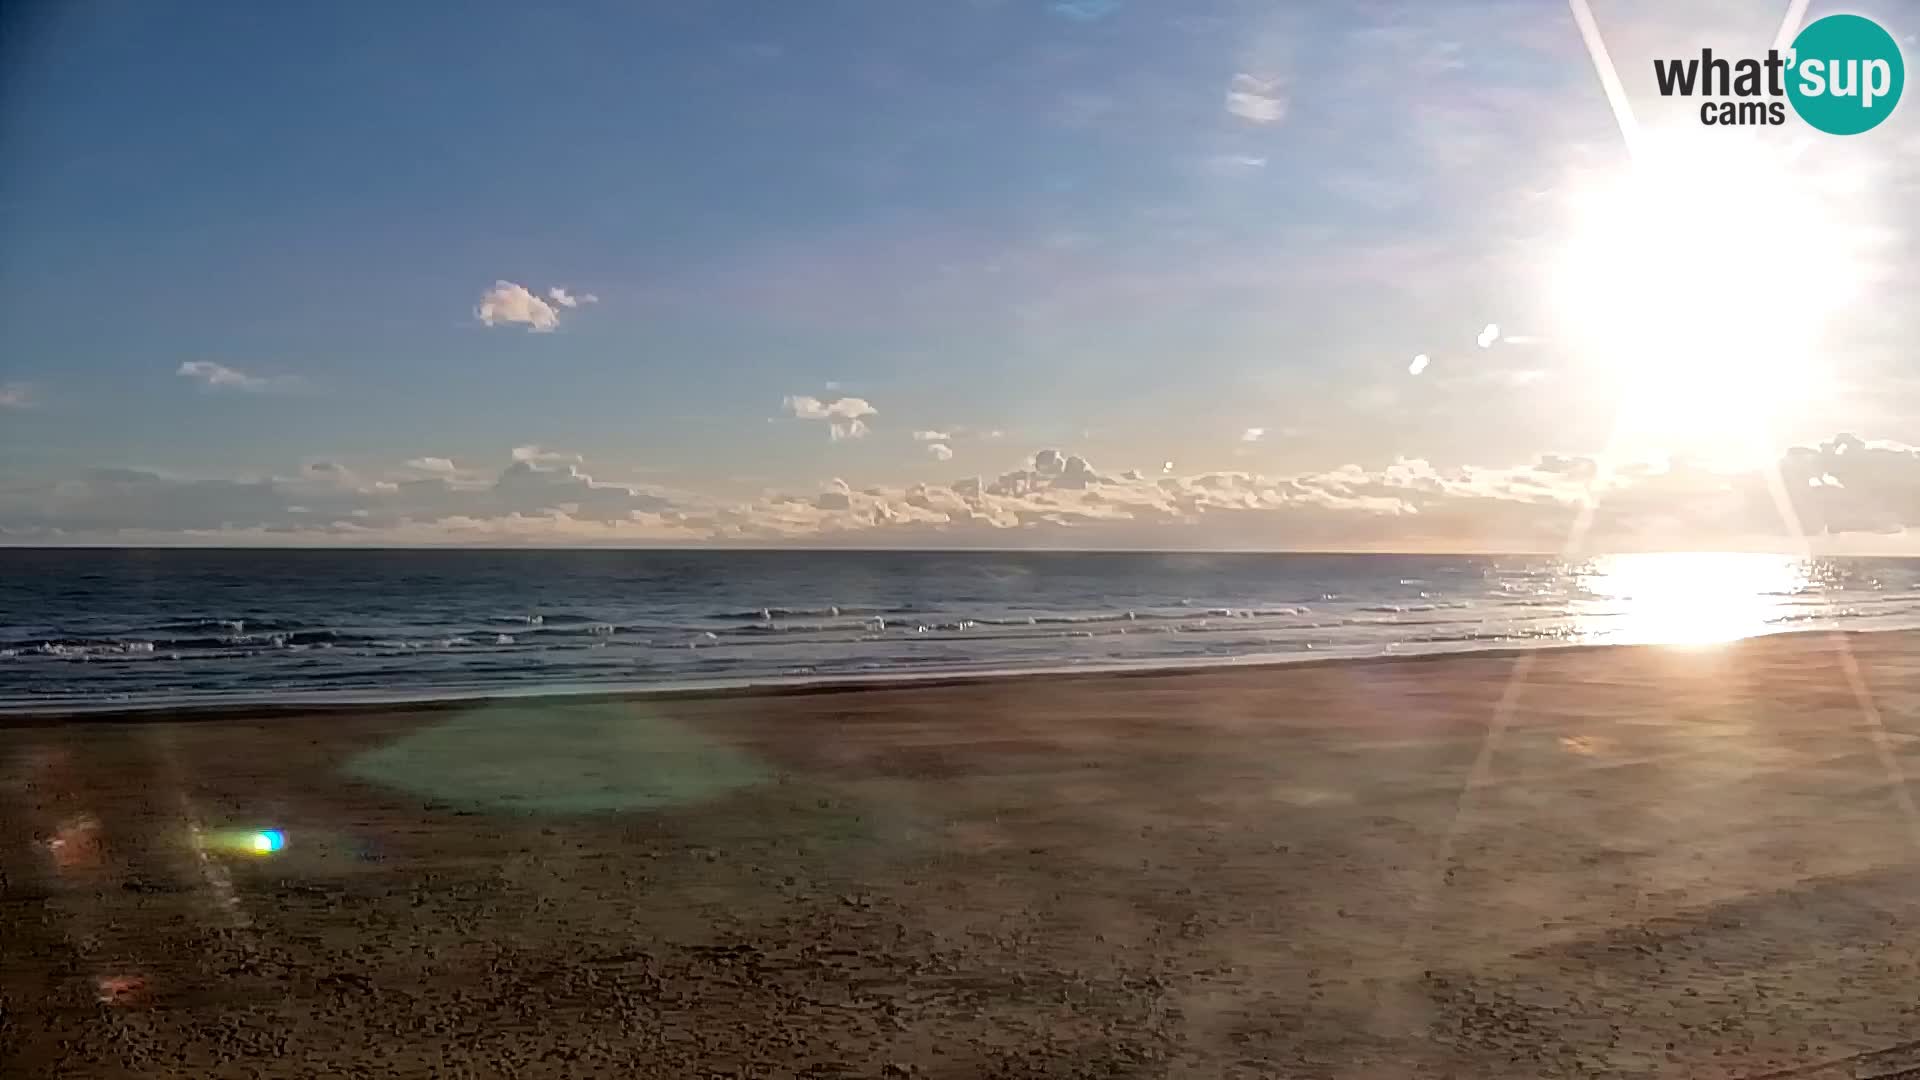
(944, 273)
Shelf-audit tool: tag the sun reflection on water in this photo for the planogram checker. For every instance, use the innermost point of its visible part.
(1689, 598)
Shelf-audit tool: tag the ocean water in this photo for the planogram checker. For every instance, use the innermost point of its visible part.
(114, 628)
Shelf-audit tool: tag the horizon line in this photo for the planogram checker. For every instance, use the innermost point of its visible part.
(969, 550)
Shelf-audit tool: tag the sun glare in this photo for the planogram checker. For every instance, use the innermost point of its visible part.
(1688, 598)
(1701, 283)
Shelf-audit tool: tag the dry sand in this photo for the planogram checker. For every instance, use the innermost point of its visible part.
(1630, 862)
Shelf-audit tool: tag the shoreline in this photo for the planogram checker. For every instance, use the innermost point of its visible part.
(347, 705)
(1580, 861)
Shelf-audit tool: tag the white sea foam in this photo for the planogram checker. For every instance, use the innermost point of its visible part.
(653, 623)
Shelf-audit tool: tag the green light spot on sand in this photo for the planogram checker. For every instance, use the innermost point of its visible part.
(560, 759)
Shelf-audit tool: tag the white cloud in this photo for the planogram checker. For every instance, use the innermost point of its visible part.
(328, 501)
(1488, 335)
(559, 295)
(844, 416)
(931, 436)
(1259, 100)
(542, 455)
(940, 451)
(1409, 504)
(527, 488)
(1851, 485)
(1419, 364)
(508, 303)
(326, 476)
(1850, 494)
(432, 464)
(223, 376)
(1253, 434)
(812, 408)
(15, 396)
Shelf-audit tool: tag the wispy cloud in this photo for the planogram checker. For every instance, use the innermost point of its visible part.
(432, 464)
(1261, 101)
(940, 451)
(1234, 164)
(931, 436)
(15, 396)
(222, 376)
(559, 295)
(845, 417)
(1253, 434)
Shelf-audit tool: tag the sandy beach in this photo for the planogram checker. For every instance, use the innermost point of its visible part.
(1607, 862)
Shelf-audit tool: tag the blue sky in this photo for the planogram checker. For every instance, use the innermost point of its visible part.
(249, 250)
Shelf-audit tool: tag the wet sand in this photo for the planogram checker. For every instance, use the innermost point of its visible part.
(1624, 862)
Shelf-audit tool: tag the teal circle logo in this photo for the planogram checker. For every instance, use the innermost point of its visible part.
(1845, 74)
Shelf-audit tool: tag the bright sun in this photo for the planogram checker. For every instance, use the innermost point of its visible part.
(1701, 282)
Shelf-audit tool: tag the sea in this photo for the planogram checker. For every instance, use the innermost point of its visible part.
(85, 629)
